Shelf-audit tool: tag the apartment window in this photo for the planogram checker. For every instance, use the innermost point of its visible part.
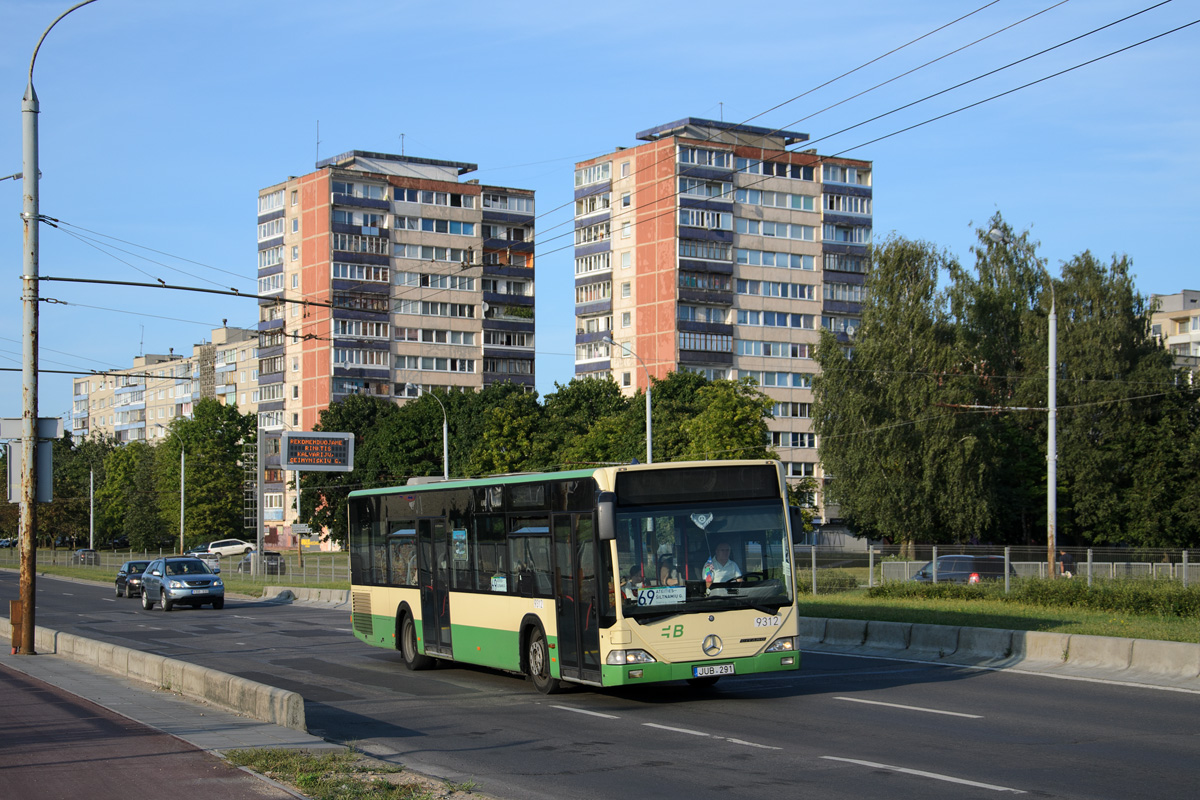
(363, 190)
(271, 257)
(625, 289)
(295, 197)
(624, 169)
(711, 251)
(705, 158)
(295, 391)
(593, 292)
(793, 439)
(847, 234)
(699, 187)
(626, 229)
(626, 200)
(269, 230)
(626, 319)
(595, 263)
(370, 358)
(767, 258)
(706, 342)
(841, 262)
(846, 292)
(701, 218)
(295, 364)
(593, 174)
(295, 420)
(295, 253)
(296, 281)
(626, 260)
(847, 204)
(270, 202)
(593, 204)
(704, 281)
(508, 203)
(295, 224)
(625, 379)
(834, 173)
(271, 283)
(688, 313)
(361, 272)
(593, 233)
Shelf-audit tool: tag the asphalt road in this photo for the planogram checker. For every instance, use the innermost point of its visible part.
(841, 727)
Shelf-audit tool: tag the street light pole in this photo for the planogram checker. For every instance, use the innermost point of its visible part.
(649, 429)
(998, 236)
(182, 494)
(30, 219)
(445, 439)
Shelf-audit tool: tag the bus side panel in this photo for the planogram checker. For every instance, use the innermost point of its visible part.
(373, 614)
(494, 638)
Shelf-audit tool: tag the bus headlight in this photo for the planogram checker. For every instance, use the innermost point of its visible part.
(782, 645)
(618, 657)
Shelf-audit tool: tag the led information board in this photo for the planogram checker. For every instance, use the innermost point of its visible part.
(317, 452)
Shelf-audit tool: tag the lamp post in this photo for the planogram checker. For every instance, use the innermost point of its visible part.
(181, 485)
(30, 218)
(649, 430)
(998, 236)
(445, 438)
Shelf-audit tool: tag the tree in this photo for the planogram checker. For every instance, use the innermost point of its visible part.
(582, 422)
(212, 441)
(323, 494)
(888, 447)
(730, 422)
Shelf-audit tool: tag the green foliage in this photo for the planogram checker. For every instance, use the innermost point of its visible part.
(731, 421)
(830, 581)
(935, 429)
(1146, 597)
(212, 443)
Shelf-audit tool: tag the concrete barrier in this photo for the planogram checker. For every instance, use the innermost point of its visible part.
(845, 632)
(1105, 652)
(256, 700)
(938, 641)
(1135, 660)
(307, 595)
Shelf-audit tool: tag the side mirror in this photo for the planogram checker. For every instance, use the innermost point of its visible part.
(217, 570)
(606, 516)
(156, 572)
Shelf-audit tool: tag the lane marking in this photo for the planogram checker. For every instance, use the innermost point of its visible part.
(908, 708)
(583, 711)
(923, 774)
(676, 730)
(753, 744)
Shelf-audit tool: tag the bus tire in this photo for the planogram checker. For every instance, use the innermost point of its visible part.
(537, 659)
(408, 646)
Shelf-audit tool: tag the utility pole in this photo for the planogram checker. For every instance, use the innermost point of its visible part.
(30, 219)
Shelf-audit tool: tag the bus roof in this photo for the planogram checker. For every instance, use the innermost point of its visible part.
(533, 477)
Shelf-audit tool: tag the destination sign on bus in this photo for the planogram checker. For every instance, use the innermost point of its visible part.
(317, 451)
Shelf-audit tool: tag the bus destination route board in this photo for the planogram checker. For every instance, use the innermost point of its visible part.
(317, 451)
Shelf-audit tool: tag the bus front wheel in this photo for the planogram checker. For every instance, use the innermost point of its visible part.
(408, 646)
(538, 659)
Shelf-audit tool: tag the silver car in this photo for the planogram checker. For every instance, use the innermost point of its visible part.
(182, 580)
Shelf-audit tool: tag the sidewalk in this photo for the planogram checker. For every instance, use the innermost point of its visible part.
(68, 727)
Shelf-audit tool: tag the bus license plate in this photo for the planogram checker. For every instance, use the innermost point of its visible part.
(712, 669)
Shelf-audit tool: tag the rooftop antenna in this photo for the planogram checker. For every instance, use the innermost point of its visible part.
(318, 140)
(402, 144)
(142, 342)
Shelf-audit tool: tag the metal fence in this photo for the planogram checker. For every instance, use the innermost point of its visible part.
(824, 569)
(317, 568)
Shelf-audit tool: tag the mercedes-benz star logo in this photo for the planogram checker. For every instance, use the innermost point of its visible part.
(712, 645)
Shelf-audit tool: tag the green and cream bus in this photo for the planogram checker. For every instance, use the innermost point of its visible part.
(609, 576)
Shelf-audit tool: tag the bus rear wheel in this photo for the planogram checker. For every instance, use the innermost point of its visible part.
(538, 659)
(408, 646)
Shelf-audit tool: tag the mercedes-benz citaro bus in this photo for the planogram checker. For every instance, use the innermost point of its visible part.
(609, 576)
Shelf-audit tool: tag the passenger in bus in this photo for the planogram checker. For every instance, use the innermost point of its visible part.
(668, 573)
(720, 568)
(633, 583)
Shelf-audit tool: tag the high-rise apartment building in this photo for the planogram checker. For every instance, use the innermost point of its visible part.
(713, 248)
(392, 277)
(1176, 323)
(138, 403)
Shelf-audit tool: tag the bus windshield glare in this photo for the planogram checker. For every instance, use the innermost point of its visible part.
(700, 556)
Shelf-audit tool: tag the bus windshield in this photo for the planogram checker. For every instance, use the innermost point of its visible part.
(674, 559)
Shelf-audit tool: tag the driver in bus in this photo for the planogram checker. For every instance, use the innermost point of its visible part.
(721, 568)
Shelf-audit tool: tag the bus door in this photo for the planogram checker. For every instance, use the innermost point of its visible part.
(434, 574)
(577, 596)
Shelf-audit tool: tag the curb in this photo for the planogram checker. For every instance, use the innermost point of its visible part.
(246, 697)
(1137, 660)
(335, 597)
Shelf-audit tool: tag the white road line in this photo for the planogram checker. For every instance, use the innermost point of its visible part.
(676, 730)
(908, 708)
(753, 744)
(583, 711)
(923, 774)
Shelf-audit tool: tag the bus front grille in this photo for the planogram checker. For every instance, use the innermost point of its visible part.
(360, 610)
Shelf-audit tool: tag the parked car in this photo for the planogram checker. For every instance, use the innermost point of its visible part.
(197, 549)
(181, 580)
(230, 547)
(85, 556)
(8, 543)
(965, 569)
(272, 563)
(129, 578)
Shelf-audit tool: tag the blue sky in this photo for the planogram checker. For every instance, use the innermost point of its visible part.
(160, 121)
